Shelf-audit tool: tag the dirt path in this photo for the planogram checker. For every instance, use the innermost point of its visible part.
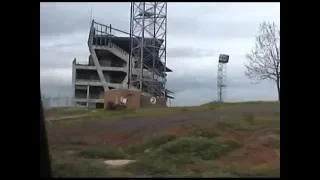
(65, 117)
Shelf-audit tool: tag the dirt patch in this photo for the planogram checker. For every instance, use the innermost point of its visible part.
(121, 139)
(180, 131)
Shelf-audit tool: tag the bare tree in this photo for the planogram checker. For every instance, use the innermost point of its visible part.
(264, 60)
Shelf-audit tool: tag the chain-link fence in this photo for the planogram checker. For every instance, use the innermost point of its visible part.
(56, 101)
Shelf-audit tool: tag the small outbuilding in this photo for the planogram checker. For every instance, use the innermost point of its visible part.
(132, 99)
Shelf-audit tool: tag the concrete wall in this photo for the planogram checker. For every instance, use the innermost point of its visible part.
(91, 63)
(107, 58)
(87, 74)
(105, 62)
(145, 102)
(114, 76)
(132, 97)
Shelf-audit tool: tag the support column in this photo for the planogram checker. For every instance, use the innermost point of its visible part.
(73, 82)
(88, 93)
(99, 70)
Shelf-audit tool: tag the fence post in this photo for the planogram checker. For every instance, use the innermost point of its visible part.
(67, 102)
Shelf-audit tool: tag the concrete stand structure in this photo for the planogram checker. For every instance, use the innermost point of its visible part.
(110, 66)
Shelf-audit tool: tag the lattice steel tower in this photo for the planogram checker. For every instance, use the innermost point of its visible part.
(222, 76)
(148, 30)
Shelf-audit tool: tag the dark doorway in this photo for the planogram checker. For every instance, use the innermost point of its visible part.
(99, 105)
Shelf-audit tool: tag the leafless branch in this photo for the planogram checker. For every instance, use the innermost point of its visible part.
(264, 60)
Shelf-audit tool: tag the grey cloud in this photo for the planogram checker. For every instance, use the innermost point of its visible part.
(210, 30)
(54, 81)
(56, 19)
(188, 52)
(191, 91)
(208, 80)
(64, 45)
(65, 18)
(53, 90)
(189, 81)
(49, 58)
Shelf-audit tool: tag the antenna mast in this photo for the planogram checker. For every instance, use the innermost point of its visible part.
(148, 46)
(90, 14)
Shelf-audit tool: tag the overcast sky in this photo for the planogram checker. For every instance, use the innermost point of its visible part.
(197, 34)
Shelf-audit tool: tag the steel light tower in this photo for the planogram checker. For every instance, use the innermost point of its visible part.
(148, 30)
(222, 76)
